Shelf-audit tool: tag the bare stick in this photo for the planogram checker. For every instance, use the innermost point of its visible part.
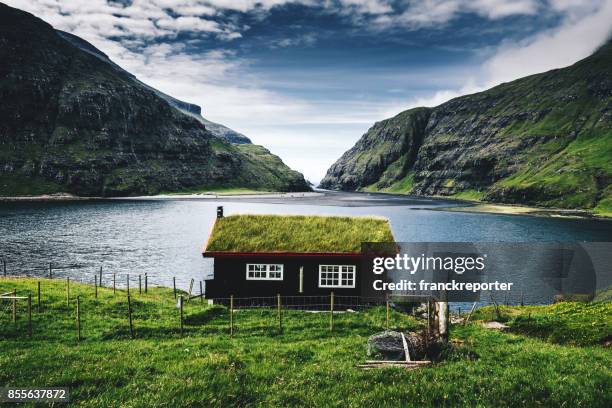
(470, 314)
(14, 306)
(387, 311)
(174, 285)
(429, 316)
(140, 284)
(190, 289)
(231, 315)
(280, 316)
(78, 317)
(146, 282)
(50, 271)
(128, 284)
(180, 300)
(38, 297)
(130, 316)
(100, 276)
(96, 285)
(30, 315)
(331, 311)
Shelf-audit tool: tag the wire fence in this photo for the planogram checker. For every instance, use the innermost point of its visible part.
(55, 311)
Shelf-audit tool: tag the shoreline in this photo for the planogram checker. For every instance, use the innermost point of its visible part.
(511, 209)
(463, 206)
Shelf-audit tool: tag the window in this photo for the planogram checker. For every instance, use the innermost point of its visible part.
(264, 272)
(336, 276)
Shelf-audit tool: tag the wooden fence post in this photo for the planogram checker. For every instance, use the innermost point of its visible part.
(146, 282)
(280, 316)
(387, 311)
(114, 283)
(100, 276)
(174, 286)
(78, 317)
(96, 285)
(68, 291)
(14, 306)
(30, 315)
(331, 311)
(201, 293)
(139, 284)
(180, 300)
(50, 271)
(231, 315)
(128, 283)
(38, 297)
(130, 316)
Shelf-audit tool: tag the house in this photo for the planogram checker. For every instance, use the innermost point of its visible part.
(291, 255)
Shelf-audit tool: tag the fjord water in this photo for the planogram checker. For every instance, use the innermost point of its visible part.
(164, 238)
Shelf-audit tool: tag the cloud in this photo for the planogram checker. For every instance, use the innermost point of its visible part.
(583, 29)
(140, 35)
(427, 13)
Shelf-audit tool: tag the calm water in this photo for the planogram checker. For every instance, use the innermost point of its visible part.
(164, 238)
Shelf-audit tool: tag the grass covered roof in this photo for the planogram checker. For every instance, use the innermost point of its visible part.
(296, 233)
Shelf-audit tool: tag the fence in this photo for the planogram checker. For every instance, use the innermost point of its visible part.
(92, 310)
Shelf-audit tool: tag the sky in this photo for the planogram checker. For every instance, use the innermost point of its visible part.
(307, 78)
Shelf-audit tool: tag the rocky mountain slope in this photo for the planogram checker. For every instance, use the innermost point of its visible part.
(189, 108)
(541, 140)
(73, 121)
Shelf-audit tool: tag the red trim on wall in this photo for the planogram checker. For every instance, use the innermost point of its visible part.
(219, 254)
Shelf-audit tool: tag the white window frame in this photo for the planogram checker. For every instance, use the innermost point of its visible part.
(350, 270)
(264, 271)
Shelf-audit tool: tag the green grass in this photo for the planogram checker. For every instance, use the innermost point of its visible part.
(401, 186)
(17, 185)
(305, 365)
(470, 195)
(574, 323)
(274, 233)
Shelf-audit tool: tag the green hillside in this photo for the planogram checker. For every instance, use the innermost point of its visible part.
(543, 140)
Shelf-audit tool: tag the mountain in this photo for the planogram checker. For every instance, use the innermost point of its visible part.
(189, 108)
(541, 140)
(73, 121)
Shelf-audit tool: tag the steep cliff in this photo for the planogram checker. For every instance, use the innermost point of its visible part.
(541, 140)
(72, 122)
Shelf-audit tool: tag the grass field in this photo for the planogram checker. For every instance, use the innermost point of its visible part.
(305, 365)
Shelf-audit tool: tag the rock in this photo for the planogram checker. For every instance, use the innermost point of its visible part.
(495, 325)
(388, 345)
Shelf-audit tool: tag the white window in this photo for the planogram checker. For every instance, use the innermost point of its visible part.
(336, 276)
(264, 272)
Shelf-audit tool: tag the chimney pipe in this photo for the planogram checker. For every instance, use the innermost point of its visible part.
(220, 211)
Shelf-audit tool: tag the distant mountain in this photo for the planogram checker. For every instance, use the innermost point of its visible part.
(541, 140)
(189, 108)
(73, 121)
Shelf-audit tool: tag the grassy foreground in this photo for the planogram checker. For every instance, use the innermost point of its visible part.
(305, 365)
